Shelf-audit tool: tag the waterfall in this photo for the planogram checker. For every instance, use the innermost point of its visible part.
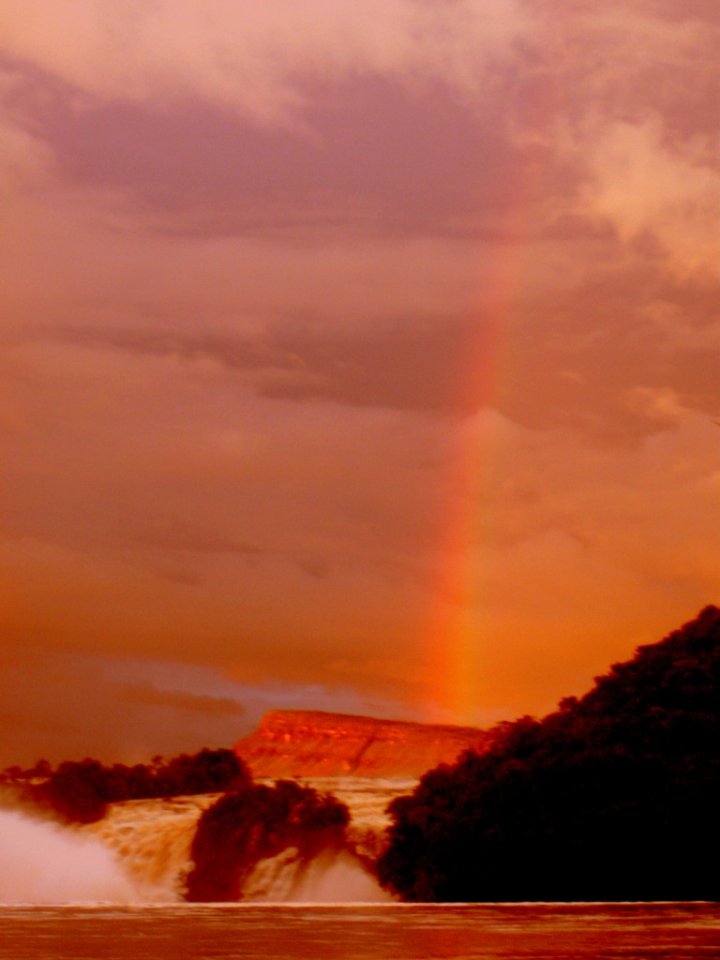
(152, 838)
(332, 877)
(140, 852)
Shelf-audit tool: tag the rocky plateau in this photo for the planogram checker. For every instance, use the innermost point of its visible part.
(313, 743)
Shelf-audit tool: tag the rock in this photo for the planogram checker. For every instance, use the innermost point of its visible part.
(312, 743)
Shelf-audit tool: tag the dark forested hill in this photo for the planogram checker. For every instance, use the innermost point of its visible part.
(616, 796)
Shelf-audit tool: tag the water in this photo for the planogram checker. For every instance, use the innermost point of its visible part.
(159, 832)
(361, 932)
(136, 855)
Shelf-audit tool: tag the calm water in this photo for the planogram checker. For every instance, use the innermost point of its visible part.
(391, 932)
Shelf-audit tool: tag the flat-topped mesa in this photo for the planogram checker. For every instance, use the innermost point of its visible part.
(312, 743)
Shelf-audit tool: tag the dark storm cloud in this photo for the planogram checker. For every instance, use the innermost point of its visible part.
(146, 695)
(61, 705)
(582, 349)
(370, 154)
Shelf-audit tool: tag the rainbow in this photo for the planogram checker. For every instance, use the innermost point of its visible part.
(454, 639)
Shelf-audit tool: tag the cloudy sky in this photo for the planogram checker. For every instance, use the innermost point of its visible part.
(355, 355)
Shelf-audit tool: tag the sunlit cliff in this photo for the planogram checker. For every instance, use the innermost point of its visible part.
(311, 743)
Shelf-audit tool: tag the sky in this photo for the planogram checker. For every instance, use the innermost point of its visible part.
(355, 356)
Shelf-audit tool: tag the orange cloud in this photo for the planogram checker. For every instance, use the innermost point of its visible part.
(648, 187)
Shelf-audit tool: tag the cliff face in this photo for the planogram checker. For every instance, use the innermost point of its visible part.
(303, 743)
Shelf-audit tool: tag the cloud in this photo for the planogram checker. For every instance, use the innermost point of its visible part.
(63, 706)
(661, 404)
(26, 161)
(431, 164)
(147, 695)
(648, 187)
(248, 57)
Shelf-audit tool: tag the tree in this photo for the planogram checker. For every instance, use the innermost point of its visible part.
(257, 822)
(614, 796)
(80, 791)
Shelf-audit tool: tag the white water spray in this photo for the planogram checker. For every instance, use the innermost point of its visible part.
(44, 863)
(332, 877)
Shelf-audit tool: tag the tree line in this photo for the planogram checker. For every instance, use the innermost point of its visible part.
(615, 796)
(80, 791)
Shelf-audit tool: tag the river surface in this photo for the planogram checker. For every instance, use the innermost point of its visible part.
(361, 932)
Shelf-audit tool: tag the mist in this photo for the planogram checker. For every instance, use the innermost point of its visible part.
(43, 863)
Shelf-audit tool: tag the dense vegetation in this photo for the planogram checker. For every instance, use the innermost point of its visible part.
(615, 796)
(79, 791)
(255, 823)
